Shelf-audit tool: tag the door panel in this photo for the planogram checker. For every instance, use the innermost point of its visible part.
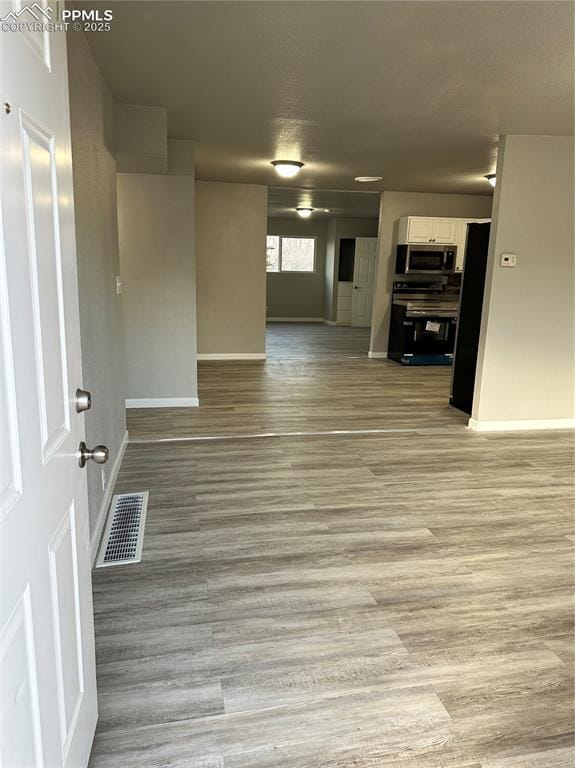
(46, 283)
(47, 659)
(66, 609)
(10, 470)
(38, 39)
(420, 230)
(21, 738)
(363, 276)
(445, 231)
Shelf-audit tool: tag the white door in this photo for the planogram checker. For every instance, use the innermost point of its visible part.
(363, 274)
(48, 687)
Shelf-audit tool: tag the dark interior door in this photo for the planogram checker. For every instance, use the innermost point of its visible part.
(470, 308)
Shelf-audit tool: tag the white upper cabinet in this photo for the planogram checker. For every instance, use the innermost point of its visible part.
(432, 230)
(418, 230)
(445, 231)
(428, 229)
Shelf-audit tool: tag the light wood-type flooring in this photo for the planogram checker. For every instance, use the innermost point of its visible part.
(400, 597)
(316, 378)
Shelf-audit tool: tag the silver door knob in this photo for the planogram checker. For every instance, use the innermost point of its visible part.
(83, 400)
(99, 453)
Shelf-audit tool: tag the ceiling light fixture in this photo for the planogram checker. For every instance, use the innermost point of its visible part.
(305, 213)
(492, 179)
(287, 168)
(367, 179)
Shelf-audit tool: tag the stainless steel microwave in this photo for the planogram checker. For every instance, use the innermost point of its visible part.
(425, 259)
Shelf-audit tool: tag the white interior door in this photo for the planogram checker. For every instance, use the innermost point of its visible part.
(363, 275)
(48, 687)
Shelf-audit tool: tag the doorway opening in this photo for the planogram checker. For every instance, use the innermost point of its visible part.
(320, 272)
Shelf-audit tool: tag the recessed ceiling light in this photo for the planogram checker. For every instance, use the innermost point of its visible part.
(305, 213)
(326, 210)
(492, 179)
(367, 179)
(287, 168)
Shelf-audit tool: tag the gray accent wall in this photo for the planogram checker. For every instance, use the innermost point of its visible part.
(526, 364)
(298, 295)
(394, 205)
(92, 113)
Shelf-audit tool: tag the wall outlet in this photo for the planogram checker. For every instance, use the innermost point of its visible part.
(508, 260)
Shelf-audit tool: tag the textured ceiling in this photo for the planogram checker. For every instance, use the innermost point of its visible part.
(282, 201)
(416, 92)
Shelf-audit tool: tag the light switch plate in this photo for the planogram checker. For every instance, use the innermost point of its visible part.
(508, 260)
(118, 284)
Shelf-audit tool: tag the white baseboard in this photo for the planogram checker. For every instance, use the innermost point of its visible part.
(163, 402)
(520, 424)
(377, 355)
(329, 322)
(232, 356)
(103, 511)
(295, 320)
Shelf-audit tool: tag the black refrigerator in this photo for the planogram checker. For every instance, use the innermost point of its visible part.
(470, 309)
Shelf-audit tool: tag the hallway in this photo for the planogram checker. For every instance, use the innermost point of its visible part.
(398, 599)
(316, 378)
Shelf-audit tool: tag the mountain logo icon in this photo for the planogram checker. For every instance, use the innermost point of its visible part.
(37, 11)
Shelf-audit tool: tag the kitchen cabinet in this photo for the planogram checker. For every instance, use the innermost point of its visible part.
(445, 231)
(428, 229)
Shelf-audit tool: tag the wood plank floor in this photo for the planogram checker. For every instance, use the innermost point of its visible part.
(397, 599)
(316, 378)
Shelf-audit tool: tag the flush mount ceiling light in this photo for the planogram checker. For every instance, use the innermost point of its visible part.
(492, 179)
(367, 179)
(287, 168)
(305, 213)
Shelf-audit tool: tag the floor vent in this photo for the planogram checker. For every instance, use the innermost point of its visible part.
(124, 535)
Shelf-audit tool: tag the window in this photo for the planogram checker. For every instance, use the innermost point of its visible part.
(273, 253)
(290, 254)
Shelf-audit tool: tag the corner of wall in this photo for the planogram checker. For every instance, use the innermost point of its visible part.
(92, 116)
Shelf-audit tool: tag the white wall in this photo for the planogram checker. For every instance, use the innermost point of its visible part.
(394, 205)
(231, 226)
(525, 373)
(92, 117)
(157, 254)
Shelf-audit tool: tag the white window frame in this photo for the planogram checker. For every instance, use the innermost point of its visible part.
(294, 271)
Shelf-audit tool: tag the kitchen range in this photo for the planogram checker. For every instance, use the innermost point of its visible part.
(424, 320)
